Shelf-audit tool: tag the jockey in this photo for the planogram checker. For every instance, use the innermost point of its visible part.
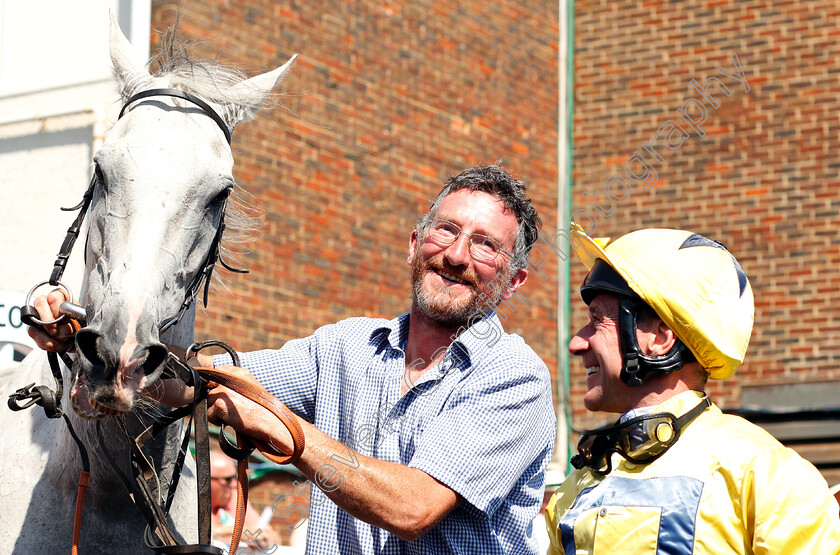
(669, 309)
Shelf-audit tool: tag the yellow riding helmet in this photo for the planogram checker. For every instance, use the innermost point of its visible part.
(694, 284)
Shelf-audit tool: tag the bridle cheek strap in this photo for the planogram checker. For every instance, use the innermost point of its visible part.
(637, 366)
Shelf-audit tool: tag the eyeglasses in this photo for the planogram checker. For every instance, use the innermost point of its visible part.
(639, 440)
(227, 480)
(482, 247)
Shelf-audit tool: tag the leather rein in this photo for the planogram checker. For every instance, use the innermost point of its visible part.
(145, 488)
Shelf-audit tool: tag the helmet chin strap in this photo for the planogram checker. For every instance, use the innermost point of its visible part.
(638, 366)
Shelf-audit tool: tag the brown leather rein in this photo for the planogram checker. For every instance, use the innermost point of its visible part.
(266, 400)
(204, 380)
(259, 395)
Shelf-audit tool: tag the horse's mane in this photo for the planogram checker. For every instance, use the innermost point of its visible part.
(206, 78)
(209, 80)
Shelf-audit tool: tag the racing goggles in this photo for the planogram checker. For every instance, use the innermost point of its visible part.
(640, 440)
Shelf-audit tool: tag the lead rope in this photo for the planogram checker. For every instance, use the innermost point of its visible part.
(241, 504)
(81, 492)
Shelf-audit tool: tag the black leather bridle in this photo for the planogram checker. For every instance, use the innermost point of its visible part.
(202, 277)
(175, 93)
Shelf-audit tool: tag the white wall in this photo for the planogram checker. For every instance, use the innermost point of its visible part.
(56, 101)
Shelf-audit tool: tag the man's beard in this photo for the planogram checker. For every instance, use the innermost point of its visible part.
(441, 305)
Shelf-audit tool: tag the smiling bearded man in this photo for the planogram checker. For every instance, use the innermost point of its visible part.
(418, 439)
(445, 303)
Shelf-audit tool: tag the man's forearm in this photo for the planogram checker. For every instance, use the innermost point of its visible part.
(402, 500)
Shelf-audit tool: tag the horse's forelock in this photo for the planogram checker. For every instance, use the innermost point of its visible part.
(207, 79)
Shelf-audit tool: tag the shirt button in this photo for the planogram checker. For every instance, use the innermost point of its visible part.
(603, 511)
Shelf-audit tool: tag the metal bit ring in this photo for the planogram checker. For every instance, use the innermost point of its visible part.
(60, 286)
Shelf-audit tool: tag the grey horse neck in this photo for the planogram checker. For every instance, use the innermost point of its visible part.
(44, 471)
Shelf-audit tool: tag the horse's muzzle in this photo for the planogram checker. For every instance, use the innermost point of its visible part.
(104, 367)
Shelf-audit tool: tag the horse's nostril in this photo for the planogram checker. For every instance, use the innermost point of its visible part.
(153, 365)
(86, 343)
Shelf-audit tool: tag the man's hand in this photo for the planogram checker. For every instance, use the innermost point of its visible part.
(245, 416)
(58, 337)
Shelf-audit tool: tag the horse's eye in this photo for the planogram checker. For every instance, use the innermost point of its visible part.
(222, 196)
(100, 177)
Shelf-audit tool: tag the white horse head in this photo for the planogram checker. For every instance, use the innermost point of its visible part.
(162, 176)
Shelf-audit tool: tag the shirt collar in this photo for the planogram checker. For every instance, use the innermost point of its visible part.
(676, 405)
(481, 336)
(473, 342)
(395, 332)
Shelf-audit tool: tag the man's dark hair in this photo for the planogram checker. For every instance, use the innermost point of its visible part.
(496, 181)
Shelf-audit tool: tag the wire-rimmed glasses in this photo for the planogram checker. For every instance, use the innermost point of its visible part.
(481, 246)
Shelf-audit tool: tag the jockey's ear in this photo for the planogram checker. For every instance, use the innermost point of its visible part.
(129, 69)
(246, 97)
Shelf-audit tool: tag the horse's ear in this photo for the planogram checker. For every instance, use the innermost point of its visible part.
(129, 70)
(248, 95)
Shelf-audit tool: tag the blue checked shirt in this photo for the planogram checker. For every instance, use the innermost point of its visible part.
(481, 422)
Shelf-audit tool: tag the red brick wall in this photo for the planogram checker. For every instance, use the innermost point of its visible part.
(764, 177)
(388, 99)
(385, 102)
